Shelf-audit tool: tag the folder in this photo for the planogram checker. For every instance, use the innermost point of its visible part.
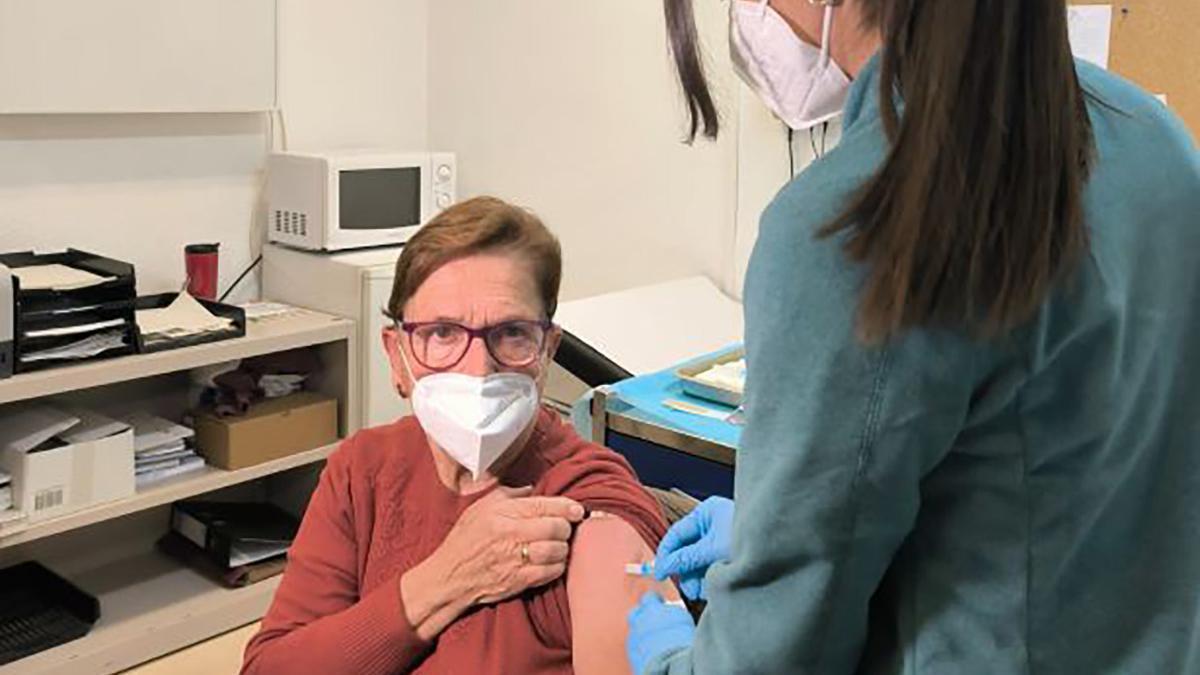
(234, 534)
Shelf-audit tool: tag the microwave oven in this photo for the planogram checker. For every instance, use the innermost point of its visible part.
(344, 200)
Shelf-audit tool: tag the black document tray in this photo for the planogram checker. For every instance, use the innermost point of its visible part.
(40, 610)
(237, 330)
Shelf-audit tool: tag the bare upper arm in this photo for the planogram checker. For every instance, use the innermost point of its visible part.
(601, 594)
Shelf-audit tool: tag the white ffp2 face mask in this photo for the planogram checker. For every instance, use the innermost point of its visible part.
(798, 82)
(475, 419)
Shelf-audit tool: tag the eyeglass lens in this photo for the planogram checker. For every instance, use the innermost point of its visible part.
(513, 344)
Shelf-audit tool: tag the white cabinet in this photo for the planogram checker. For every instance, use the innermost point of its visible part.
(88, 56)
(355, 285)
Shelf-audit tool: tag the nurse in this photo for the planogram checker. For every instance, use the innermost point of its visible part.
(973, 335)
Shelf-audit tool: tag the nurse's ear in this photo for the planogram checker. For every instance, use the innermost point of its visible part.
(392, 346)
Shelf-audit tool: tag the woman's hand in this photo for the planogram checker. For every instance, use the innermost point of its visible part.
(503, 544)
(698, 541)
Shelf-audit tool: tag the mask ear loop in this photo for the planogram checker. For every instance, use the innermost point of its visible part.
(826, 33)
(404, 357)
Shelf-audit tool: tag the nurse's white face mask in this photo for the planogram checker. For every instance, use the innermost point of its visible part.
(798, 82)
(474, 419)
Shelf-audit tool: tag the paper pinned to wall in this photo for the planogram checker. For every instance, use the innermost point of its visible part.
(1090, 27)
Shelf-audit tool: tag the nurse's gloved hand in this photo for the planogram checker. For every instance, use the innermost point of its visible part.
(695, 543)
(656, 628)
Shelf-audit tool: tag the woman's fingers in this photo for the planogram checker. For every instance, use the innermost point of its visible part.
(546, 507)
(543, 529)
(548, 552)
(540, 575)
(687, 560)
(687, 531)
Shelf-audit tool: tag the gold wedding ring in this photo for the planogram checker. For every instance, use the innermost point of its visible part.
(525, 553)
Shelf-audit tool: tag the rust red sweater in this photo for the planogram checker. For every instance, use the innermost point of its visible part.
(380, 509)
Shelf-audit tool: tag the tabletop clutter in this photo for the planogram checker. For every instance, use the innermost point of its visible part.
(61, 309)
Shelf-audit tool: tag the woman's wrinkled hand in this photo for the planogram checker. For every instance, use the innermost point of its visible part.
(508, 542)
(502, 545)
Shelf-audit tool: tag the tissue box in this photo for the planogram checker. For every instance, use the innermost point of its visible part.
(272, 429)
(55, 481)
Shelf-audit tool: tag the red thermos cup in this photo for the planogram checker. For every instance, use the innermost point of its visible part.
(201, 263)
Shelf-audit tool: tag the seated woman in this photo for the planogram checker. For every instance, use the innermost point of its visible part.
(455, 541)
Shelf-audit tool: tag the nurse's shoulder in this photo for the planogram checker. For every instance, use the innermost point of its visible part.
(790, 227)
(1123, 113)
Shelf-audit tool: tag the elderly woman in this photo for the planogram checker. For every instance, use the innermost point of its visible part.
(456, 541)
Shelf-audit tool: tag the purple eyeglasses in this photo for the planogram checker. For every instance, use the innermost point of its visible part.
(441, 345)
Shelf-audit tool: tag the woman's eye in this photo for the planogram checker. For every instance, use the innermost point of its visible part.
(444, 332)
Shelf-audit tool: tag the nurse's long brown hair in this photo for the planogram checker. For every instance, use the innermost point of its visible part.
(977, 212)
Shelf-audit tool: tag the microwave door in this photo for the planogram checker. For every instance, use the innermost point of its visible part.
(375, 206)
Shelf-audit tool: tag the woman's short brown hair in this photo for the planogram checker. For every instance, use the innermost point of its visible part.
(479, 225)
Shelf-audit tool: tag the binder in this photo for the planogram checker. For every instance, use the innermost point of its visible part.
(234, 534)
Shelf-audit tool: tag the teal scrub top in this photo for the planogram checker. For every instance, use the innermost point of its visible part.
(943, 505)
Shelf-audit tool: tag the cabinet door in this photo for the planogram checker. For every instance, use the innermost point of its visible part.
(380, 400)
(68, 56)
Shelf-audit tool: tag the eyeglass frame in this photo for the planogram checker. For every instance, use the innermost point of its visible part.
(408, 327)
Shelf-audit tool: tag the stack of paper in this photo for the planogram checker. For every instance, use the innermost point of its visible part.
(56, 277)
(80, 349)
(184, 317)
(161, 448)
(5, 491)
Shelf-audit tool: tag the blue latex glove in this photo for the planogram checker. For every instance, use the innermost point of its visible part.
(692, 545)
(656, 628)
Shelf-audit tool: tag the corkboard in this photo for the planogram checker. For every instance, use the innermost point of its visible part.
(1156, 43)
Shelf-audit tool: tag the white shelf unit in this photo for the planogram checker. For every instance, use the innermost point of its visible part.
(150, 604)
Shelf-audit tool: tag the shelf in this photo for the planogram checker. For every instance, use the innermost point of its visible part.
(301, 328)
(150, 605)
(164, 492)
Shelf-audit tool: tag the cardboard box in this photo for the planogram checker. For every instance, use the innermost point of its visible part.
(271, 429)
(58, 480)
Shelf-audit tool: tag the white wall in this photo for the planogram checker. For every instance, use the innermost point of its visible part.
(133, 187)
(571, 108)
(139, 187)
(353, 73)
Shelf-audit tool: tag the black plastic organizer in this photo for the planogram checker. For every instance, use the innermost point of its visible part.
(44, 308)
(147, 344)
(40, 610)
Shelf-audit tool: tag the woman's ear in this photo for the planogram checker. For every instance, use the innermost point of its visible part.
(553, 340)
(400, 376)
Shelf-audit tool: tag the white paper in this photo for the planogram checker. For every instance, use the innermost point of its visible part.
(5, 498)
(82, 349)
(25, 427)
(1090, 27)
(165, 462)
(187, 466)
(151, 431)
(246, 552)
(262, 310)
(1162, 98)
(10, 519)
(92, 427)
(56, 277)
(161, 450)
(72, 330)
(184, 316)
